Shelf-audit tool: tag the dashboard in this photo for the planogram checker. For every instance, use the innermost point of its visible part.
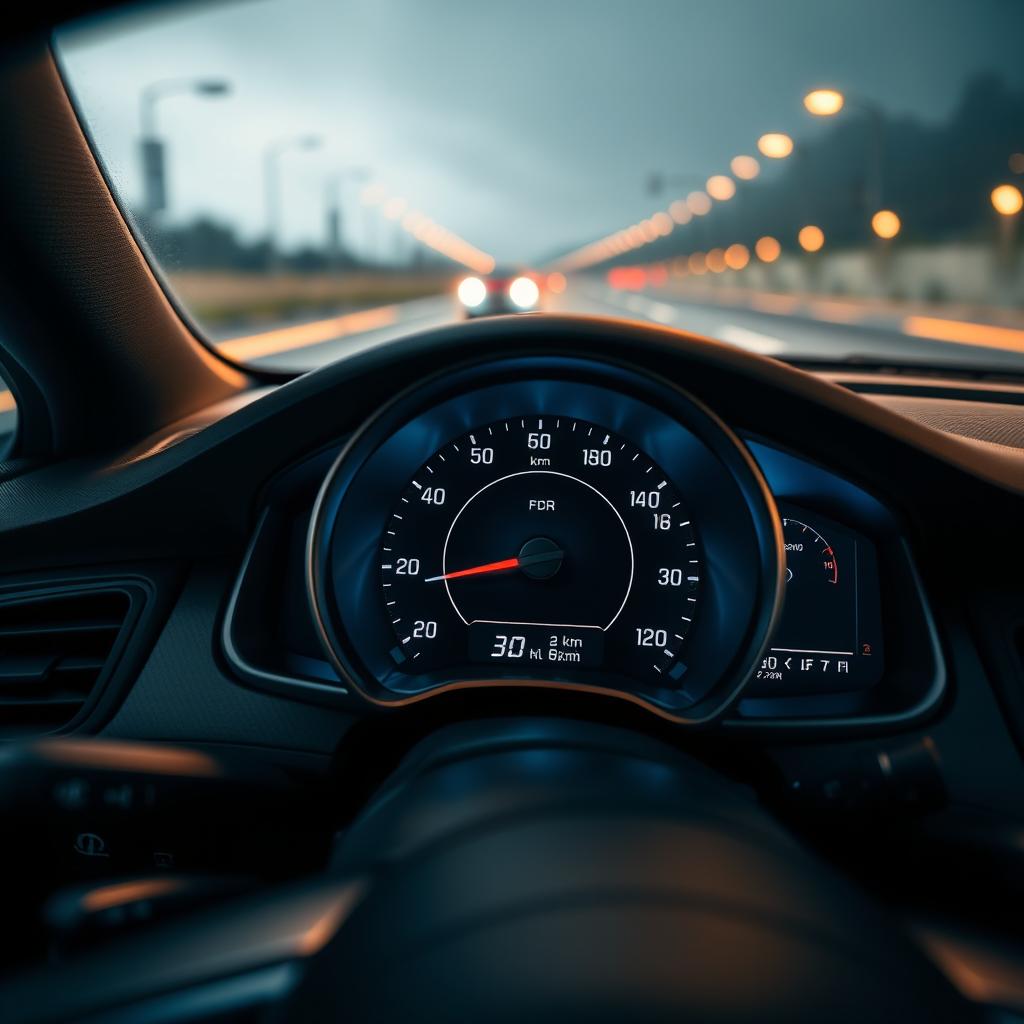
(584, 526)
(498, 524)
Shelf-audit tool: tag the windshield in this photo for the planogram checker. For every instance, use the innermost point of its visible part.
(826, 182)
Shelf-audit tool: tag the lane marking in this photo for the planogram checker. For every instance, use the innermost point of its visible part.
(778, 305)
(285, 339)
(752, 341)
(964, 332)
(662, 312)
(942, 329)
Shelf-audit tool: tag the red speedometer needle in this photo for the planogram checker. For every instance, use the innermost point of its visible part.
(508, 563)
(535, 553)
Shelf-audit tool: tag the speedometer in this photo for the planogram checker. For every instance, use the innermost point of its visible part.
(546, 522)
(544, 540)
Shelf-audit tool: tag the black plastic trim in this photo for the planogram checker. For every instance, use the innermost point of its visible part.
(245, 667)
(921, 709)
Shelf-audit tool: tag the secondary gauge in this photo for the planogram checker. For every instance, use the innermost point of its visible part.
(829, 636)
(809, 555)
(546, 522)
(547, 541)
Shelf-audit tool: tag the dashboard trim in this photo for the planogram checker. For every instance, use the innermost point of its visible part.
(273, 681)
(927, 704)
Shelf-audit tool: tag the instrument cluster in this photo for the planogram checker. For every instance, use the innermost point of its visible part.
(569, 524)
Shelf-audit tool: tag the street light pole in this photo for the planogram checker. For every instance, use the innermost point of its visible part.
(874, 196)
(152, 151)
(780, 146)
(656, 181)
(334, 207)
(332, 222)
(828, 103)
(370, 197)
(272, 201)
(272, 188)
(1007, 201)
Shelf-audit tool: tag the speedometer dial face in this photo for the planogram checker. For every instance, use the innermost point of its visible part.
(545, 523)
(544, 542)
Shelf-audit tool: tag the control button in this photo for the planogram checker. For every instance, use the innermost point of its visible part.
(89, 844)
(71, 794)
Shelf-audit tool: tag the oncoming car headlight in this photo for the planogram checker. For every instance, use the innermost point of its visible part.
(523, 291)
(472, 291)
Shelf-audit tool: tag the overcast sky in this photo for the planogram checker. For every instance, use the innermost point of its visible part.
(524, 125)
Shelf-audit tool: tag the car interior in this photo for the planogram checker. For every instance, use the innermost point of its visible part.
(569, 662)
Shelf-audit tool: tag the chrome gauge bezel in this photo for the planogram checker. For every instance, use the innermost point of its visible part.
(739, 525)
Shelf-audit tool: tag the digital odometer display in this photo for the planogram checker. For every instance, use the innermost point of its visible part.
(546, 542)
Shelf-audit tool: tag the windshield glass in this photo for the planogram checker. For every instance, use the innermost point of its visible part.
(8, 419)
(830, 182)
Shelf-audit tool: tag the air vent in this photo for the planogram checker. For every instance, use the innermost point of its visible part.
(56, 647)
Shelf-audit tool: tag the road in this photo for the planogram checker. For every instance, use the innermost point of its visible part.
(791, 327)
(831, 330)
(816, 329)
(306, 345)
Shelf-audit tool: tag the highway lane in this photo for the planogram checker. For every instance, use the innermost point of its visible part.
(876, 339)
(871, 333)
(306, 345)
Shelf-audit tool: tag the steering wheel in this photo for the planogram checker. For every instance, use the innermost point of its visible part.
(509, 869)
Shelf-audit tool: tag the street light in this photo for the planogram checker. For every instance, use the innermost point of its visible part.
(151, 150)
(715, 261)
(720, 187)
(824, 102)
(775, 145)
(745, 167)
(698, 203)
(1007, 200)
(811, 238)
(663, 223)
(886, 224)
(272, 185)
(680, 212)
(768, 249)
(737, 256)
